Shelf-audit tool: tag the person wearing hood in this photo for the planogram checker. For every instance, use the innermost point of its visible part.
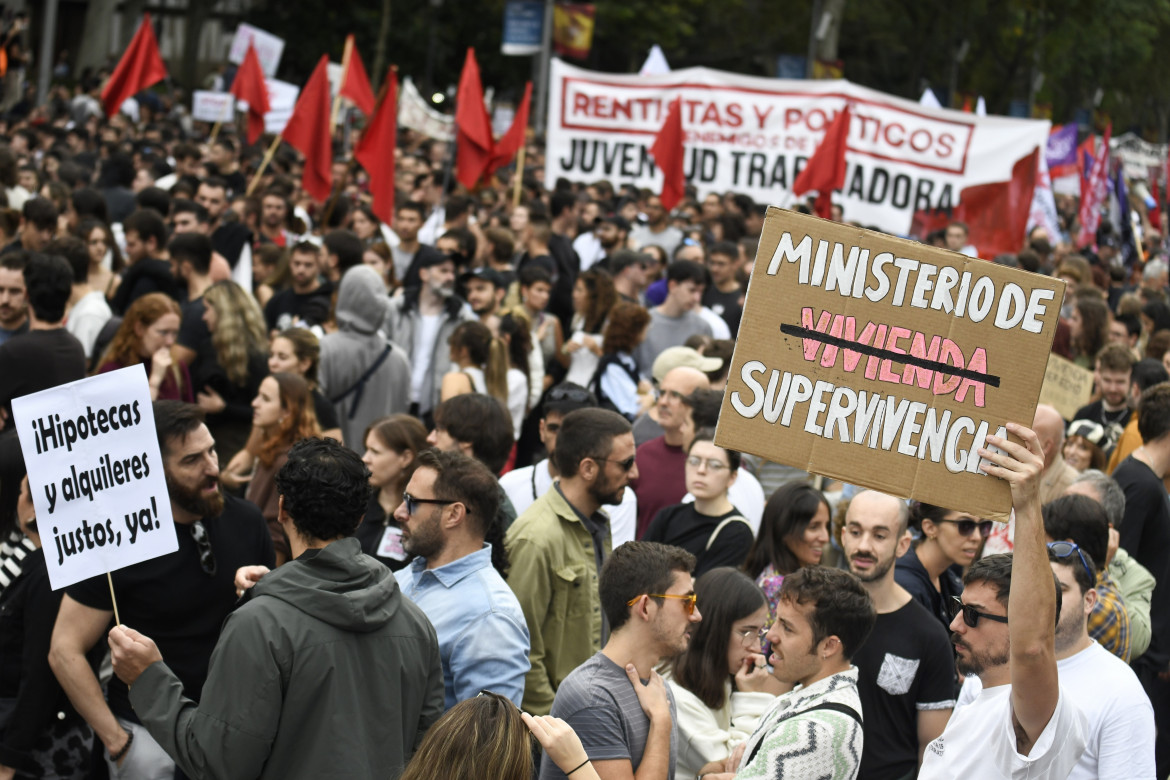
(325, 669)
(365, 376)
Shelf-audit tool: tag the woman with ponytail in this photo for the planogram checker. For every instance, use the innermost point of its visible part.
(481, 362)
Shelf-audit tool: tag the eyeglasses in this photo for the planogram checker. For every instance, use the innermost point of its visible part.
(624, 465)
(575, 395)
(689, 600)
(966, 527)
(695, 461)
(752, 637)
(1064, 550)
(412, 503)
(971, 615)
(203, 545)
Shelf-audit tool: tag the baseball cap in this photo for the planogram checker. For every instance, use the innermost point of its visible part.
(431, 259)
(621, 222)
(487, 274)
(683, 357)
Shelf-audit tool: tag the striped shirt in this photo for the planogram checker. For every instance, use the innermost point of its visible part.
(13, 551)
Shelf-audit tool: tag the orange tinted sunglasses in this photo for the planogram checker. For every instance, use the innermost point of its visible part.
(689, 600)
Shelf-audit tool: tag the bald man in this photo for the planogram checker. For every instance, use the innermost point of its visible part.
(662, 461)
(1058, 475)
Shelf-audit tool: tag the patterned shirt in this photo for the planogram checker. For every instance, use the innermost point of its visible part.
(1108, 623)
(796, 739)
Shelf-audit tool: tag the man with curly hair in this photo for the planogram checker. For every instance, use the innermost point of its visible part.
(326, 669)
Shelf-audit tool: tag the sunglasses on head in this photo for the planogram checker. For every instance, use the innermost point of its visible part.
(1064, 550)
(688, 600)
(971, 615)
(575, 395)
(967, 526)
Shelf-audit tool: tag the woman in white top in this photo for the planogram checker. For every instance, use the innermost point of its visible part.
(593, 297)
(481, 366)
(720, 683)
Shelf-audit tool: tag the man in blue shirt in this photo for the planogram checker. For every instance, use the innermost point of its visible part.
(447, 512)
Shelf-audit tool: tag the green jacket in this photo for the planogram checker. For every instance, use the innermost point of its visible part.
(1135, 584)
(554, 576)
(328, 670)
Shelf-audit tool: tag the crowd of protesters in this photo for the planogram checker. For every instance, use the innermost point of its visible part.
(448, 487)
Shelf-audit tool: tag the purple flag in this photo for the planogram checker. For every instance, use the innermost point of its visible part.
(1062, 146)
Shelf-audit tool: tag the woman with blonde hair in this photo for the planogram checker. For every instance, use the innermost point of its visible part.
(230, 379)
(283, 414)
(146, 335)
(481, 363)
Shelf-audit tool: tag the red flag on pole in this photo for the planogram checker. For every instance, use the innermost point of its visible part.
(668, 156)
(355, 84)
(308, 132)
(473, 130)
(825, 172)
(1094, 193)
(249, 87)
(140, 67)
(376, 150)
(510, 143)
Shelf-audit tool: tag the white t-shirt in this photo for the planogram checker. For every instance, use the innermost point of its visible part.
(527, 484)
(588, 248)
(719, 329)
(87, 318)
(517, 399)
(582, 362)
(425, 334)
(1120, 732)
(980, 742)
(746, 495)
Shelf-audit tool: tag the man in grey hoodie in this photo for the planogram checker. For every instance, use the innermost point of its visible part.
(327, 670)
(363, 375)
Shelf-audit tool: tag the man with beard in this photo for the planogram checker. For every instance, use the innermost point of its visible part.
(486, 289)
(449, 523)
(615, 702)
(559, 545)
(612, 234)
(306, 302)
(411, 255)
(1022, 724)
(274, 211)
(905, 676)
(421, 320)
(232, 240)
(180, 599)
(13, 296)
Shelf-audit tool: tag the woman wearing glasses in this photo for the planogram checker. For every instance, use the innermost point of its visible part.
(932, 571)
(711, 529)
(720, 683)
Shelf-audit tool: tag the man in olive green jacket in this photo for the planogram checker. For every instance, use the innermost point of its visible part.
(558, 545)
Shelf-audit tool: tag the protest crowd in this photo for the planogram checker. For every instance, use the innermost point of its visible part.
(439, 441)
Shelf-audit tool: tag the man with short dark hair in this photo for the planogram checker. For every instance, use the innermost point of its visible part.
(629, 275)
(411, 256)
(306, 301)
(180, 599)
(274, 215)
(191, 257)
(677, 319)
(616, 703)
(449, 523)
(558, 546)
(824, 615)
(724, 295)
(343, 250)
(48, 355)
(232, 240)
(146, 236)
(1114, 368)
(1145, 374)
(657, 230)
(324, 668)
(13, 296)
(906, 678)
(485, 294)
(38, 223)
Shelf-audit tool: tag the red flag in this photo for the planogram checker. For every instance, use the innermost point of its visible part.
(510, 143)
(1094, 192)
(249, 87)
(376, 150)
(140, 67)
(1155, 214)
(668, 155)
(355, 84)
(825, 172)
(996, 214)
(308, 132)
(473, 130)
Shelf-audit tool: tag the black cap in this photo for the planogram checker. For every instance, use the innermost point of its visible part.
(485, 273)
(620, 221)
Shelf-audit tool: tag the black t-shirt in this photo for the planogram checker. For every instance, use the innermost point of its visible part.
(905, 666)
(174, 602)
(194, 335)
(1113, 422)
(1145, 534)
(681, 525)
(36, 361)
(381, 534)
(726, 304)
(287, 306)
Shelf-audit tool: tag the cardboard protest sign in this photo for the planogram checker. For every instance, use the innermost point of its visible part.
(209, 106)
(96, 475)
(1067, 386)
(269, 48)
(885, 362)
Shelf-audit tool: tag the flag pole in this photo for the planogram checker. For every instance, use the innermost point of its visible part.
(519, 176)
(114, 601)
(268, 155)
(345, 55)
(214, 133)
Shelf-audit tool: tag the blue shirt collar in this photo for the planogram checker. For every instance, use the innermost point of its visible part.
(451, 573)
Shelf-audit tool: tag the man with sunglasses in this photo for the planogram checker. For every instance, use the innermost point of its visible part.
(1022, 724)
(617, 704)
(1102, 686)
(447, 515)
(558, 546)
(905, 670)
(324, 670)
(180, 599)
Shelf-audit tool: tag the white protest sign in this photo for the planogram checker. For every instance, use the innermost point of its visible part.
(212, 106)
(414, 112)
(96, 475)
(282, 98)
(269, 48)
